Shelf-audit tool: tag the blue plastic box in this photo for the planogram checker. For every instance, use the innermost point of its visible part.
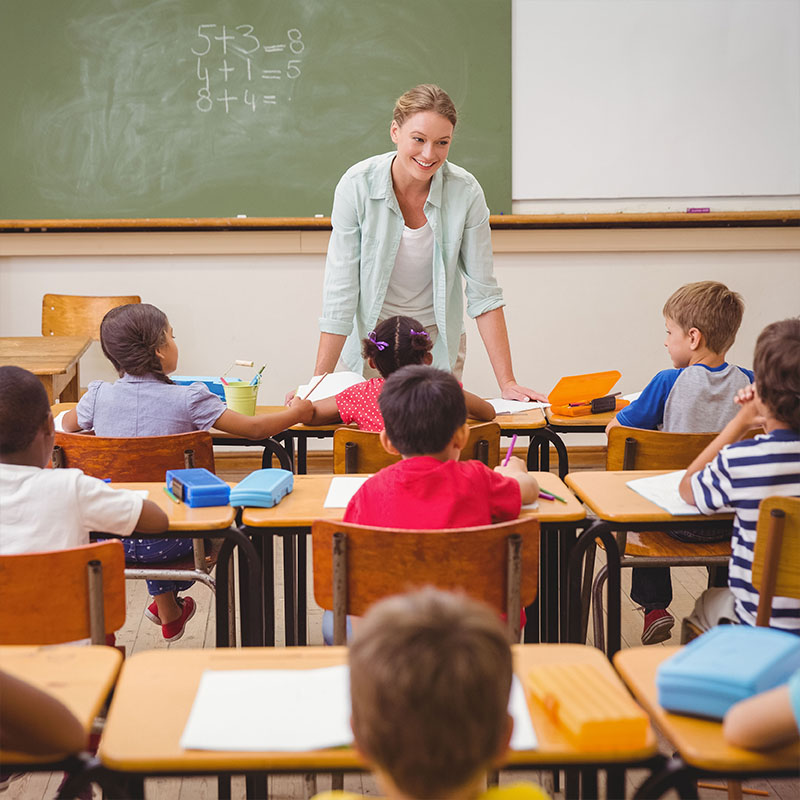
(198, 487)
(725, 665)
(214, 384)
(263, 488)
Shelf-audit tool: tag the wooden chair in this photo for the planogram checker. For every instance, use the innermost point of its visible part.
(361, 451)
(356, 565)
(144, 458)
(76, 315)
(633, 448)
(63, 595)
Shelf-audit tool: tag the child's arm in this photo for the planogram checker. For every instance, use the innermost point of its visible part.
(518, 470)
(151, 519)
(747, 419)
(265, 425)
(614, 423)
(69, 422)
(36, 722)
(761, 722)
(325, 412)
(478, 408)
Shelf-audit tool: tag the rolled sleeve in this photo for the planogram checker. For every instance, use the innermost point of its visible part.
(341, 284)
(203, 406)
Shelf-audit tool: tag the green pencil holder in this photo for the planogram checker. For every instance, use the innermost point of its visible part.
(241, 397)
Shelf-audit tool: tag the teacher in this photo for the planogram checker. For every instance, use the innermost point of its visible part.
(407, 227)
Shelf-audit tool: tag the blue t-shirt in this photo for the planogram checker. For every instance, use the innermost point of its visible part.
(695, 399)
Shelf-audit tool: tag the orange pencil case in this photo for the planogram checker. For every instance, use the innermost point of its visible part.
(581, 395)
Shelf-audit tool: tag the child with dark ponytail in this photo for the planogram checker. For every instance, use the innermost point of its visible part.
(139, 341)
(395, 342)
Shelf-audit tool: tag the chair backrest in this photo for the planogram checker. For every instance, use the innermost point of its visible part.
(56, 597)
(634, 448)
(142, 458)
(361, 451)
(77, 315)
(776, 557)
(498, 564)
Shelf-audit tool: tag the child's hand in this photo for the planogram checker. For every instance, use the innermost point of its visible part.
(749, 415)
(304, 408)
(745, 395)
(514, 467)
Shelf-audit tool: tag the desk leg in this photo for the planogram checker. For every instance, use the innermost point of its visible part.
(589, 783)
(268, 584)
(302, 455)
(302, 586)
(225, 635)
(249, 583)
(673, 774)
(615, 782)
(290, 586)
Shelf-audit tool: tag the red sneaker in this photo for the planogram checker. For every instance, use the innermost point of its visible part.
(151, 612)
(173, 631)
(657, 626)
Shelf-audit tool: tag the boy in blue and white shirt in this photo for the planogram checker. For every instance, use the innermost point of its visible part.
(734, 475)
(702, 320)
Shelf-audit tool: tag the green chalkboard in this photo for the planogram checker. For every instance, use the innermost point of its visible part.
(117, 108)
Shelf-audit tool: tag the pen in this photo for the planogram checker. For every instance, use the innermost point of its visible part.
(315, 386)
(257, 376)
(510, 450)
(171, 496)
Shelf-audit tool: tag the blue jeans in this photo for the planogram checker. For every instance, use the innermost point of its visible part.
(651, 587)
(154, 551)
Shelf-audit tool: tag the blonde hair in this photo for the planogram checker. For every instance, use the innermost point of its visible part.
(710, 307)
(425, 97)
(430, 675)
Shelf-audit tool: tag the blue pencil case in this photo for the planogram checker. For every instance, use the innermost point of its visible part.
(263, 488)
(198, 487)
(214, 384)
(725, 665)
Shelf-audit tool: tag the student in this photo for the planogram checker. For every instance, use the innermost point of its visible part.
(396, 342)
(736, 475)
(766, 720)
(702, 320)
(430, 675)
(140, 343)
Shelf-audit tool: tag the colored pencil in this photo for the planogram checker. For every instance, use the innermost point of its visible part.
(510, 450)
(171, 496)
(325, 375)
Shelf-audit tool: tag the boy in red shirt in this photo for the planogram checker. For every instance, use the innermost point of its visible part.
(425, 416)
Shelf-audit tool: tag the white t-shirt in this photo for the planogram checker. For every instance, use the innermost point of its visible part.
(410, 290)
(53, 509)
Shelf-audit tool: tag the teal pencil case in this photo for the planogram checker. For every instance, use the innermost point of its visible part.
(263, 488)
(214, 384)
(198, 487)
(725, 665)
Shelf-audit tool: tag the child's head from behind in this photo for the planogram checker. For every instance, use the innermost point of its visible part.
(397, 342)
(708, 307)
(776, 365)
(24, 414)
(430, 675)
(422, 409)
(137, 339)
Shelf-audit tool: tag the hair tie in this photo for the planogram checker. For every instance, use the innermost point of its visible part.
(412, 332)
(380, 345)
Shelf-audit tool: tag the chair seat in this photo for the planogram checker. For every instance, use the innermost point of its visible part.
(658, 544)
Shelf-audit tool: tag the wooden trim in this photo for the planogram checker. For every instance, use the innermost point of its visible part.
(497, 221)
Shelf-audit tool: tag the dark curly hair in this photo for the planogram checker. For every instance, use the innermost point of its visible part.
(129, 336)
(776, 364)
(396, 342)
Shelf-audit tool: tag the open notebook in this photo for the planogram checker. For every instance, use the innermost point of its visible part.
(663, 491)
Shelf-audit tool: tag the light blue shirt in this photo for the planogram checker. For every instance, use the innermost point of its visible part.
(367, 228)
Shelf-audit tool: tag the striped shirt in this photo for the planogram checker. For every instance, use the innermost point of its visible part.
(738, 479)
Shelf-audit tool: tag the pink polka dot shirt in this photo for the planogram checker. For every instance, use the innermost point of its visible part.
(359, 404)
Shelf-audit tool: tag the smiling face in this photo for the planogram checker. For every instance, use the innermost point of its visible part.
(423, 142)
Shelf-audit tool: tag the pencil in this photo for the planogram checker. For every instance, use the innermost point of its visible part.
(547, 495)
(171, 496)
(510, 450)
(322, 378)
(560, 499)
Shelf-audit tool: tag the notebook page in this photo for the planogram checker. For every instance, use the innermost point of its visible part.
(663, 491)
(341, 491)
(502, 406)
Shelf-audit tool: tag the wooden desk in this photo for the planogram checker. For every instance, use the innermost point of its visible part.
(216, 522)
(292, 518)
(619, 508)
(161, 684)
(588, 423)
(54, 359)
(699, 742)
(80, 677)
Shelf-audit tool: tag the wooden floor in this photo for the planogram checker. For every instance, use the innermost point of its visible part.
(139, 634)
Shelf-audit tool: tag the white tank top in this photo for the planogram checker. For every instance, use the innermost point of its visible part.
(410, 290)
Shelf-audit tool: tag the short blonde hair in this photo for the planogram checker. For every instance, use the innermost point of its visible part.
(710, 307)
(425, 97)
(430, 675)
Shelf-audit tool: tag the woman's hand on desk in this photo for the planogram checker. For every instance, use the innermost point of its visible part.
(513, 391)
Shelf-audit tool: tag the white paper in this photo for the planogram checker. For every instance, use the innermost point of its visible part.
(631, 397)
(264, 709)
(523, 737)
(342, 490)
(532, 506)
(502, 406)
(58, 421)
(331, 385)
(663, 491)
(293, 711)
